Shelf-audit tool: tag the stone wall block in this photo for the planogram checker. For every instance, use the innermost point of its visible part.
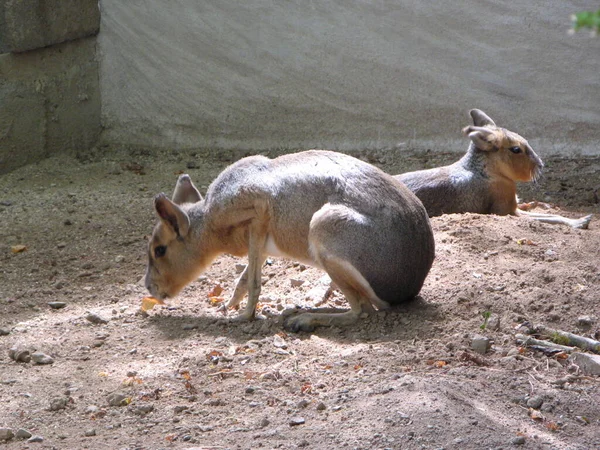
(31, 24)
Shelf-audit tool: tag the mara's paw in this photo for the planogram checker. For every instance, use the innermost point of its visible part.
(583, 223)
(300, 322)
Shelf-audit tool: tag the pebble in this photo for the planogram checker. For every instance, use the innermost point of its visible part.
(142, 409)
(589, 364)
(586, 321)
(89, 433)
(279, 342)
(239, 268)
(57, 305)
(4, 331)
(92, 409)
(321, 406)
(518, 440)
(295, 282)
(95, 318)
(480, 344)
(296, 421)
(119, 259)
(19, 354)
(117, 399)
(535, 402)
(22, 433)
(6, 434)
(41, 358)
(56, 404)
(35, 439)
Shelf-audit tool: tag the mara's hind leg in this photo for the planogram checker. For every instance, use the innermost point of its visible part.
(581, 223)
(355, 288)
(323, 241)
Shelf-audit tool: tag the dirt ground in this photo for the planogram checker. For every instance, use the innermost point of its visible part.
(190, 379)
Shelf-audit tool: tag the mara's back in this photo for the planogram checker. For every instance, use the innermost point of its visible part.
(452, 189)
(384, 228)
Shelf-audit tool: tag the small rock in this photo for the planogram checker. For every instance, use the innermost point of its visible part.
(493, 322)
(480, 344)
(35, 439)
(535, 402)
(296, 421)
(518, 440)
(95, 318)
(119, 259)
(42, 358)
(19, 354)
(61, 245)
(279, 342)
(4, 331)
(6, 434)
(239, 268)
(303, 403)
(589, 364)
(117, 399)
(89, 433)
(321, 406)
(318, 295)
(132, 373)
(295, 282)
(92, 409)
(264, 422)
(22, 433)
(180, 408)
(57, 305)
(586, 321)
(142, 409)
(190, 326)
(56, 404)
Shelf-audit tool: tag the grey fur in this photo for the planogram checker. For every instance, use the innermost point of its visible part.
(367, 230)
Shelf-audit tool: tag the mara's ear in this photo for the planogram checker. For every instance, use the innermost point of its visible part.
(481, 119)
(185, 191)
(483, 138)
(172, 215)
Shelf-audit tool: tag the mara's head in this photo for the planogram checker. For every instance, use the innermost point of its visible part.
(174, 258)
(507, 154)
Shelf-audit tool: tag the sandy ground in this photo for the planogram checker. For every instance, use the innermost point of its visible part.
(188, 378)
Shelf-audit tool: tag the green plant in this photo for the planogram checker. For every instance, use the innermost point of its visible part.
(486, 316)
(588, 20)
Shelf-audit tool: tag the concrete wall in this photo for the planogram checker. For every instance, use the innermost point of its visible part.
(49, 84)
(345, 74)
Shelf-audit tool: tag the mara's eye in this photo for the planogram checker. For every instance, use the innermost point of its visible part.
(160, 251)
(515, 150)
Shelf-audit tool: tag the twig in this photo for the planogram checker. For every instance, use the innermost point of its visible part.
(564, 337)
(226, 372)
(528, 341)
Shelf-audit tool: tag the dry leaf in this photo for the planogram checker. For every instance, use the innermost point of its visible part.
(214, 356)
(535, 414)
(216, 300)
(215, 291)
(102, 374)
(186, 375)
(306, 389)
(150, 302)
(552, 426)
(18, 248)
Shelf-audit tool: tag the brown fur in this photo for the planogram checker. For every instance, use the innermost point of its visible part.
(484, 180)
